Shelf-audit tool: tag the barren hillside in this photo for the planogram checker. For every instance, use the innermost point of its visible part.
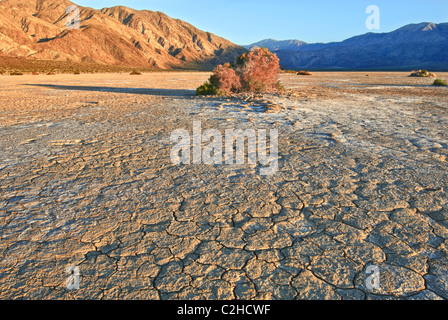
(114, 36)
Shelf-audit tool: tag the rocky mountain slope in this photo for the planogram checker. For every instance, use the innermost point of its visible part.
(115, 36)
(415, 46)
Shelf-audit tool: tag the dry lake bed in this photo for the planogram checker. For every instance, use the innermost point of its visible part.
(92, 207)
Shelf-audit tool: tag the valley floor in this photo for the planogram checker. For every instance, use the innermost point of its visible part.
(86, 180)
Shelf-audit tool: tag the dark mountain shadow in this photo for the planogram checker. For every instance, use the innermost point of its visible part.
(177, 93)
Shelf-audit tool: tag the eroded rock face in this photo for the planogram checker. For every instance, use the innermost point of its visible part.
(116, 36)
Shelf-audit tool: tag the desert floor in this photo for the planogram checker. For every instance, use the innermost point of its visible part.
(86, 180)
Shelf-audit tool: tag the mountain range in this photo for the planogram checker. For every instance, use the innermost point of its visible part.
(414, 46)
(119, 36)
(36, 29)
(276, 45)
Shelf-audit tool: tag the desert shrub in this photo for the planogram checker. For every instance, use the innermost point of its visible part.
(16, 73)
(255, 71)
(207, 89)
(226, 79)
(77, 72)
(279, 86)
(304, 73)
(288, 71)
(258, 70)
(135, 73)
(422, 73)
(439, 82)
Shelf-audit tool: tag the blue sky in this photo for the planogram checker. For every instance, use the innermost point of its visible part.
(248, 21)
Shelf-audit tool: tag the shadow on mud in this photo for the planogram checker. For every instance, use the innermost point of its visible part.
(142, 91)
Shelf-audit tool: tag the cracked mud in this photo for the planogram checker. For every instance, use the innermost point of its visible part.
(86, 180)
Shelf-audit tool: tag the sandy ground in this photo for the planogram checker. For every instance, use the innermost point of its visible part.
(86, 180)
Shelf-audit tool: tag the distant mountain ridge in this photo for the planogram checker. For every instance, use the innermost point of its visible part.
(414, 46)
(111, 36)
(275, 45)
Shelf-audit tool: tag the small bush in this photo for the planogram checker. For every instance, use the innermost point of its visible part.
(255, 71)
(279, 86)
(304, 73)
(422, 73)
(207, 89)
(440, 82)
(135, 73)
(258, 70)
(226, 79)
(51, 73)
(35, 74)
(77, 72)
(15, 73)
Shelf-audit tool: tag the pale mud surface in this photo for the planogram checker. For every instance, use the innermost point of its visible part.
(86, 180)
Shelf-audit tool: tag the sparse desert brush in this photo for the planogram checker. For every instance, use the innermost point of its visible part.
(135, 73)
(440, 82)
(255, 71)
(16, 73)
(51, 73)
(279, 86)
(77, 72)
(35, 73)
(304, 73)
(207, 89)
(288, 71)
(422, 73)
(225, 79)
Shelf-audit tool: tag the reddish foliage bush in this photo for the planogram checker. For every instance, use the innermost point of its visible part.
(225, 79)
(258, 70)
(255, 71)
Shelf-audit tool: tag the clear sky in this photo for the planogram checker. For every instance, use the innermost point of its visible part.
(248, 21)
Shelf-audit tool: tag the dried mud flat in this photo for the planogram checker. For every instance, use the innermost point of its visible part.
(86, 180)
